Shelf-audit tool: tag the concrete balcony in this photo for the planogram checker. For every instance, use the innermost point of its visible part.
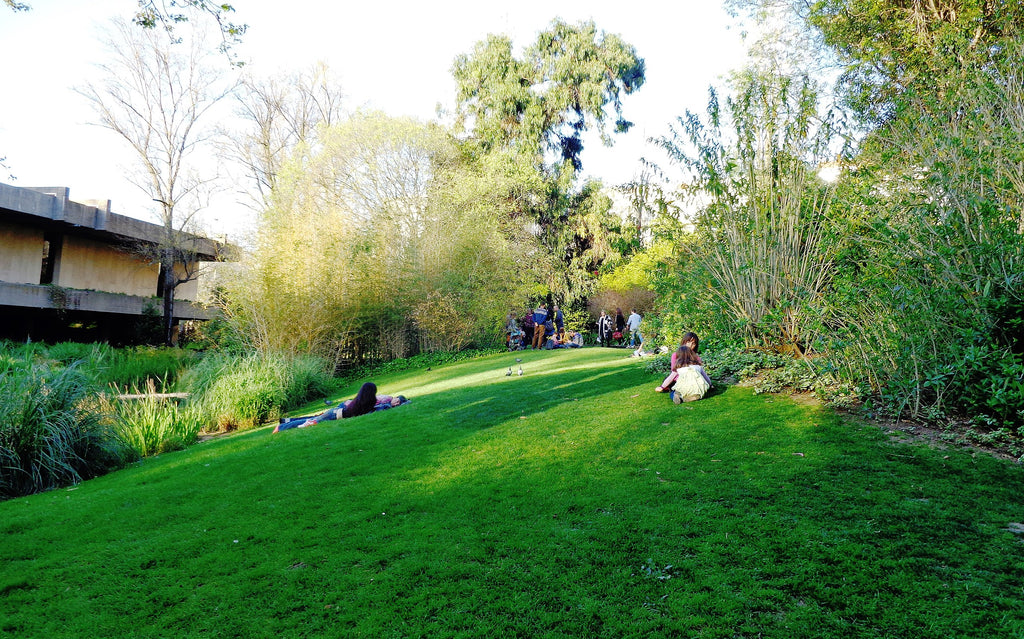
(35, 296)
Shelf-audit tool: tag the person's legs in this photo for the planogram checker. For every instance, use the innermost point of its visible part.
(538, 336)
(292, 423)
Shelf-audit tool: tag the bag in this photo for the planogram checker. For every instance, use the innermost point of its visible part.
(616, 335)
(690, 382)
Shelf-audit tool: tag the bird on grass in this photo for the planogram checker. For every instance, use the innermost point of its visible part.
(509, 373)
(520, 371)
(328, 402)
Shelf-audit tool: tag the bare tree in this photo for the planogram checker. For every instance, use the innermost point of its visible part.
(156, 95)
(279, 114)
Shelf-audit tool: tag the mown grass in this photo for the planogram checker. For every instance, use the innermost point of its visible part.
(572, 501)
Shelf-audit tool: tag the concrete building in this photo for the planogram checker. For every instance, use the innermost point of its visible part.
(72, 270)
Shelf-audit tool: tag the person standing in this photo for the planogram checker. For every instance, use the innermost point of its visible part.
(527, 328)
(620, 325)
(633, 324)
(604, 329)
(540, 315)
(559, 320)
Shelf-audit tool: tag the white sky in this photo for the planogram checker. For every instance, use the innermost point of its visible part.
(395, 56)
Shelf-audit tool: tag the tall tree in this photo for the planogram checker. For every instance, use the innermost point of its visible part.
(543, 103)
(156, 96)
(533, 110)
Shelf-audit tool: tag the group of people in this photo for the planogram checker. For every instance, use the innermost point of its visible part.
(612, 330)
(687, 380)
(539, 329)
(365, 401)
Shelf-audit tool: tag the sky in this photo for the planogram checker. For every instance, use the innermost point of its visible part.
(395, 56)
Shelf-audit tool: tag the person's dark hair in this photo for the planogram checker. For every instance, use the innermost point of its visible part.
(686, 357)
(363, 403)
(688, 337)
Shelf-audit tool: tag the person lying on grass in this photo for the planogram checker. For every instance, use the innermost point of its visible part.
(365, 401)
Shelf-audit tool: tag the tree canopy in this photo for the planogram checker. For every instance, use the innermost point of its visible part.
(543, 102)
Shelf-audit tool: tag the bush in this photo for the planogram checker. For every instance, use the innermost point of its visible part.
(51, 433)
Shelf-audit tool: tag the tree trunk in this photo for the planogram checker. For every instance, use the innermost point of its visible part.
(168, 291)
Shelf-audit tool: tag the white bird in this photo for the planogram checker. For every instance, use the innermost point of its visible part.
(520, 371)
(509, 373)
(519, 359)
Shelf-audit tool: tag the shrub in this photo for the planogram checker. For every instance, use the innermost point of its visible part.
(51, 434)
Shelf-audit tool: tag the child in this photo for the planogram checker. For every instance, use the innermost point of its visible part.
(691, 340)
(691, 380)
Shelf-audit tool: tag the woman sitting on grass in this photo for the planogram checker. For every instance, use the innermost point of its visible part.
(691, 382)
(365, 401)
(691, 340)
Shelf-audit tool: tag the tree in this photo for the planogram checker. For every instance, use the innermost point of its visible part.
(280, 114)
(890, 49)
(532, 111)
(382, 239)
(544, 102)
(155, 97)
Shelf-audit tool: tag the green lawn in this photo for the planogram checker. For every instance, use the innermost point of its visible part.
(570, 502)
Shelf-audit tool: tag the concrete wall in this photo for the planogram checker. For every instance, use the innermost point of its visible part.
(189, 290)
(88, 264)
(21, 253)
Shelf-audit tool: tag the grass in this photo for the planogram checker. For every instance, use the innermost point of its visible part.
(572, 501)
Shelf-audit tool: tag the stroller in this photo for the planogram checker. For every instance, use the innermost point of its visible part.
(516, 340)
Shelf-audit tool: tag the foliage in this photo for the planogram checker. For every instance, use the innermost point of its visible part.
(51, 434)
(277, 115)
(764, 233)
(439, 519)
(937, 269)
(632, 284)
(241, 392)
(543, 102)
(389, 240)
(151, 425)
(105, 365)
(892, 49)
(533, 111)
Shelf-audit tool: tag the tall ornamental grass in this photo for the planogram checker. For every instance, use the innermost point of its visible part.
(51, 430)
(763, 232)
(240, 392)
(151, 425)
